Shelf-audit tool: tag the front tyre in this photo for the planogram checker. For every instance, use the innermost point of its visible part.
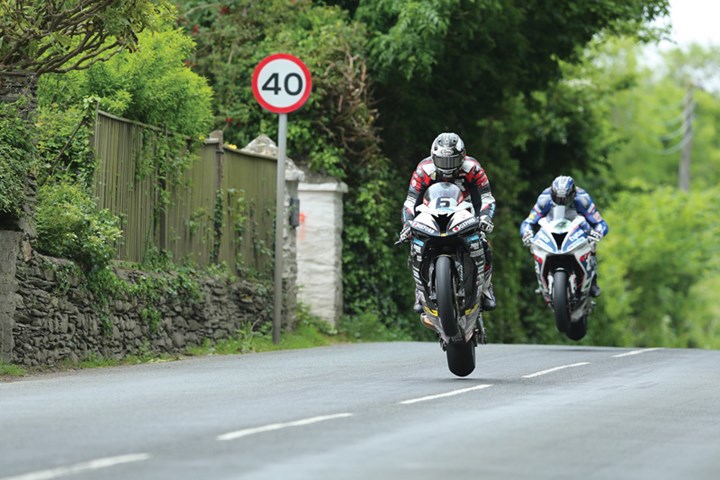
(445, 295)
(560, 300)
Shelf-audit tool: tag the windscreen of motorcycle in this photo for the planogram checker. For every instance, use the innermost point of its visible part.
(442, 198)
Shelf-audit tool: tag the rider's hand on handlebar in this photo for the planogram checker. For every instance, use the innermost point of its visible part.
(595, 236)
(527, 238)
(486, 224)
(405, 233)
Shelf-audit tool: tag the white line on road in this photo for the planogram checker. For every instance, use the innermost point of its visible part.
(555, 369)
(278, 426)
(441, 395)
(635, 352)
(80, 467)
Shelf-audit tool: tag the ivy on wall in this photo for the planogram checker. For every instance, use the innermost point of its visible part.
(17, 154)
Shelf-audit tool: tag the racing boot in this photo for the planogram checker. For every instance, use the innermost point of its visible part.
(488, 296)
(417, 308)
(595, 290)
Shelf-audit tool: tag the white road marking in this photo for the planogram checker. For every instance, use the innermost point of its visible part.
(555, 369)
(279, 426)
(80, 467)
(441, 395)
(635, 352)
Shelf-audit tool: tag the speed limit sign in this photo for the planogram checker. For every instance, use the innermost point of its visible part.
(281, 83)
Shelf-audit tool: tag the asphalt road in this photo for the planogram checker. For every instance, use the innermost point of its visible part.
(373, 411)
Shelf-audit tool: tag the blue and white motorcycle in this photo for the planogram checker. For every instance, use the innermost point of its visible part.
(565, 265)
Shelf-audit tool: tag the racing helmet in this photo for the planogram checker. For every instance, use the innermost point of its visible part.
(448, 153)
(563, 190)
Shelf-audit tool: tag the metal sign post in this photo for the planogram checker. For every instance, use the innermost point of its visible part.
(281, 83)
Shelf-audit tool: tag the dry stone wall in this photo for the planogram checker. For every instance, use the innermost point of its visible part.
(57, 319)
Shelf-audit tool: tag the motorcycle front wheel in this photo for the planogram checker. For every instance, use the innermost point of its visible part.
(445, 295)
(460, 356)
(560, 301)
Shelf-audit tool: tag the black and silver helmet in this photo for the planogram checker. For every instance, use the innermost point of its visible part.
(562, 190)
(448, 153)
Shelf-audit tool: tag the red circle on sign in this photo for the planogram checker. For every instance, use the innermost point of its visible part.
(270, 63)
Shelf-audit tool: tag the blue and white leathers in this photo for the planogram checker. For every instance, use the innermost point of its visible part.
(582, 205)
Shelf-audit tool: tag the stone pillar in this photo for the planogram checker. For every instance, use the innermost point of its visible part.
(9, 248)
(320, 246)
(15, 231)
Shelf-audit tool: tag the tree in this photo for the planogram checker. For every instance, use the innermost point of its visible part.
(152, 85)
(491, 71)
(658, 267)
(62, 35)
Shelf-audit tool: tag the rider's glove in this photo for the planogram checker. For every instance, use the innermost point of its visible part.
(595, 236)
(405, 233)
(486, 224)
(527, 238)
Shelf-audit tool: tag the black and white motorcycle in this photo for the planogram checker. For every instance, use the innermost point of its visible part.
(446, 236)
(565, 266)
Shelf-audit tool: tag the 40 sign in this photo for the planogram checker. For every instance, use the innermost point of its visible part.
(281, 83)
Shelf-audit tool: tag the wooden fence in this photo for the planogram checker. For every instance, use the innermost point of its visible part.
(222, 210)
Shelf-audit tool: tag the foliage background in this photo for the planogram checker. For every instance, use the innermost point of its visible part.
(535, 89)
(529, 86)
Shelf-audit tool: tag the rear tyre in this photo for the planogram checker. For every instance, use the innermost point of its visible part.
(560, 301)
(577, 330)
(445, 296)
(461, 358)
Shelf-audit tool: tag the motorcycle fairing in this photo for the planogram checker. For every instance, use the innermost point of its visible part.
(562, 243)
(575, 238)
(463, 221)
(544, 241)
(426, 224)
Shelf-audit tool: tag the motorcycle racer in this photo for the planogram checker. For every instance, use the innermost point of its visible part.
(577, 201)
(449, 162)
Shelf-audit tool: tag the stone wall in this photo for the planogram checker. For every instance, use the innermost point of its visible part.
(57, 319)
(14, 85)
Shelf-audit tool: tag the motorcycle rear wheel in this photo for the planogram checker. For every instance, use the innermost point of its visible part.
(560, 301)
(445, 296)
(577, 330)
(461, 358)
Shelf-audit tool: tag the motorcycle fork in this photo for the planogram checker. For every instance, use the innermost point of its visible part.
(459, 285)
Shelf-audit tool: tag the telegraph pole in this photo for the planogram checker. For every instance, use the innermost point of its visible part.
(685, 159)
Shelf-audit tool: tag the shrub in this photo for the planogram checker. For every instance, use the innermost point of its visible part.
(69, 225)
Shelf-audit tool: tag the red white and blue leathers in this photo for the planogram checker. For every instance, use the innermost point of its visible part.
(473, 182)
(470, 178)
(582, 205)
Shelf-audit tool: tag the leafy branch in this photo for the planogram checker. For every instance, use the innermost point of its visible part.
(63, 35)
